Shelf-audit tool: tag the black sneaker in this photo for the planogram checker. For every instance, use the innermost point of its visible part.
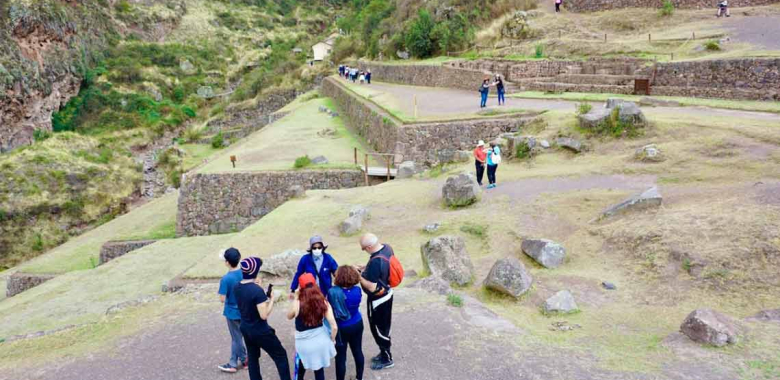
(377, 358)
(382, 364)
(227, 368)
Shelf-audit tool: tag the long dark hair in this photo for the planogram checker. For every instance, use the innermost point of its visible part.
(313, 306)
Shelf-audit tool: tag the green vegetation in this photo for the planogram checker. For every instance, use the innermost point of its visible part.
(539, 51)
(582, 108)
(218, 141)
(478, 230)
(667, 8)
(302, 162)
(616, 127)
(712, 45)
(454, 300)
(522, 151)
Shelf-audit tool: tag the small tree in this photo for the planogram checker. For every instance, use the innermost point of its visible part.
(418, 37)
(218, 141)
(667, 9)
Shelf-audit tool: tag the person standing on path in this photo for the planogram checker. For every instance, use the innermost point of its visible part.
(375, 280)
(320, 264)
(480, 157)
(255, 307)
(368, 76)
(558, 5)
(493, 159)
(344, 298)
(500, 89)
(314, 342)
(484, 89)
(228, 297)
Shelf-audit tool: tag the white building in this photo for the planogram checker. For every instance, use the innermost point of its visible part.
(322, 49)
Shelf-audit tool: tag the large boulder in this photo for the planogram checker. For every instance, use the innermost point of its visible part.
(647, 199)
(707, 326)
(627, 112)
(446, 257)
(594, 118)
(461, 190)
(569, 143)
(351, 225)
(363, 212)
(561, 303)
(283, 264)
(546, 252)
(630, 112)
(406, 169)
(508, 276)
(319, 160)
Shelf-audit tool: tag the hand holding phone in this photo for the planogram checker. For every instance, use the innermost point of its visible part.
(270, 290)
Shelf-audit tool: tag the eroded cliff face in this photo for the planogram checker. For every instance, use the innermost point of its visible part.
(46, 45)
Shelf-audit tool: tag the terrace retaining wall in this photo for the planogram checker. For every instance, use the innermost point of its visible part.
(425, 75)
(113, 249)
(602, 5)
(19, 282)
(228, 202)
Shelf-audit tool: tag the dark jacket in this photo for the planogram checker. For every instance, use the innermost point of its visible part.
(328, 270)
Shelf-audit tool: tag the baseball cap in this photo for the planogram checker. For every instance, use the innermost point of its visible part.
(305, 279)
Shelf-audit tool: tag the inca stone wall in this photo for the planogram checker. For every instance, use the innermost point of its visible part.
(602, 5)
(425, 75)
(19, 282)
(754, 79)
(518, 71)
(113, 249)
(425, 143)
(228, 202)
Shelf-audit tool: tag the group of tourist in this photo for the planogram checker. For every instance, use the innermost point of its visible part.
(484, 90)
(354, 74)
(487, 157)
(324, 304)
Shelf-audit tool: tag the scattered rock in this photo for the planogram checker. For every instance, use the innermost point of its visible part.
(406, 169)
(561, 302)
(363, 212)
(608, 285)
(649, 153)
(630, 112)
(206, 92)
(569, 143)
(508, 276)
(153, 91)
(544, 144)
(446, 256)
(594, 118)
(767, 316)
(546, 252)
(351, 225)
(431, 228)
(648, 101)
(187, 67)
(627, 112)
(319, 160)
(646, 199)
(433, 284)
(461, 190)
(327, 132)
(402, 54)
(297, 191)
(707, 326)
(283, 264)
(564, 326)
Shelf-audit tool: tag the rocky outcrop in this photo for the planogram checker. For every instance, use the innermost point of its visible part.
(508, 276)
(283, 264)
(461, 190)
(546, 252)
(560, 303)
(707, 326)
(446, 257)
(649, 198)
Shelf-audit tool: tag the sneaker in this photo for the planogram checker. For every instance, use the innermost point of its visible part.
(243, 364)
(377, 358)
(227, 368)
(382, 364)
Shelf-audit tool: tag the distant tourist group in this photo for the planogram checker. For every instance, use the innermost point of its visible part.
(354, 74)
(487, 158)
(484, 90)
(324, 304)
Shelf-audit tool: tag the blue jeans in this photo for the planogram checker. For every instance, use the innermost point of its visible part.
(237, 349)
(501, 99)
(484, 99)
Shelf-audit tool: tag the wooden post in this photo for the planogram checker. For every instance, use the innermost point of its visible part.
(559, 33)
(649, 39)
(388, 168)
(355, 156)
(672, 57)
(605, 37)
(365, 172)
(694, 35)
(415, 106)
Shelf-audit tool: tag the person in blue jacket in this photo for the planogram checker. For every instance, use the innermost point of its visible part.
(320, 264)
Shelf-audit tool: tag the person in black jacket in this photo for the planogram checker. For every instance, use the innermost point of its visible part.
(499, 83)
(374, 280)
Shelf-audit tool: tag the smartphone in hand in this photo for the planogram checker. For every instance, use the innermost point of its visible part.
(270, 290)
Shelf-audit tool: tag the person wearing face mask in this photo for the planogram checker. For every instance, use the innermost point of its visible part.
(320, 264)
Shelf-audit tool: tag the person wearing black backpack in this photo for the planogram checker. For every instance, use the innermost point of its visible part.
(375, 281)
(320, 264)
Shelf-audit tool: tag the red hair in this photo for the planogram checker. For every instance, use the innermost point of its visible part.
(313, 306)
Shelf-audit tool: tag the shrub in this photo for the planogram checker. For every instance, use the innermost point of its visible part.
(454, 300)
(539, 51)
(583, 108)
(175, 178)
(123, 6)
(218, 141)
(40, 135)
(418, 37)
(522, 151)
(193, 134)
(712, 45)
(615, 127)
(302, 162)
(477, 230)
(667, 9)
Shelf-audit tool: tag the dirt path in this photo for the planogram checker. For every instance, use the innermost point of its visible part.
(762, 32)
(442, 102)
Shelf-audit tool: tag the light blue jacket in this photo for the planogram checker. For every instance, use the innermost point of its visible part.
(490, 155)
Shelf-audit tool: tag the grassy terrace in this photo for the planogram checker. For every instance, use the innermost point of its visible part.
(300, 133)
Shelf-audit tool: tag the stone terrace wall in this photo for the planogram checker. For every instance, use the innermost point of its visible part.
(113, 249)
(19, 282)
(518, 71)
(424, 143)
(601, 5)
(425, 75)
(755, 79)
(227, 202)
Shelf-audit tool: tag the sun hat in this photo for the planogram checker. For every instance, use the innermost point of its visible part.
(481, 143)
(305, 279)
(316, 239)
(250, 267)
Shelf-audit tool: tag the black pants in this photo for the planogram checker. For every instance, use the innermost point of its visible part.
(492, 173)
(557, 7)
(480, 171)
(318, 374)
(272, 346)
(379, 320)
(351, 336)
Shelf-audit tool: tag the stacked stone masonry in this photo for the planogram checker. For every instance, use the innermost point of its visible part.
(113, 249)
(19, 282)
(425, 75)
(228, 202)
(425, 143)
(602, 5)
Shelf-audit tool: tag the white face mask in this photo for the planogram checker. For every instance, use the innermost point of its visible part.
(316, 252)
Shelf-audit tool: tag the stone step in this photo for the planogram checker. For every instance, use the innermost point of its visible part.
(575, 87)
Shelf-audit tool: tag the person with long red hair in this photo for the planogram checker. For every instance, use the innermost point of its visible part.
(314, 340)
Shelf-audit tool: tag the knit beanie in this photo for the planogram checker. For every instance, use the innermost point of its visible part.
(250, 267)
